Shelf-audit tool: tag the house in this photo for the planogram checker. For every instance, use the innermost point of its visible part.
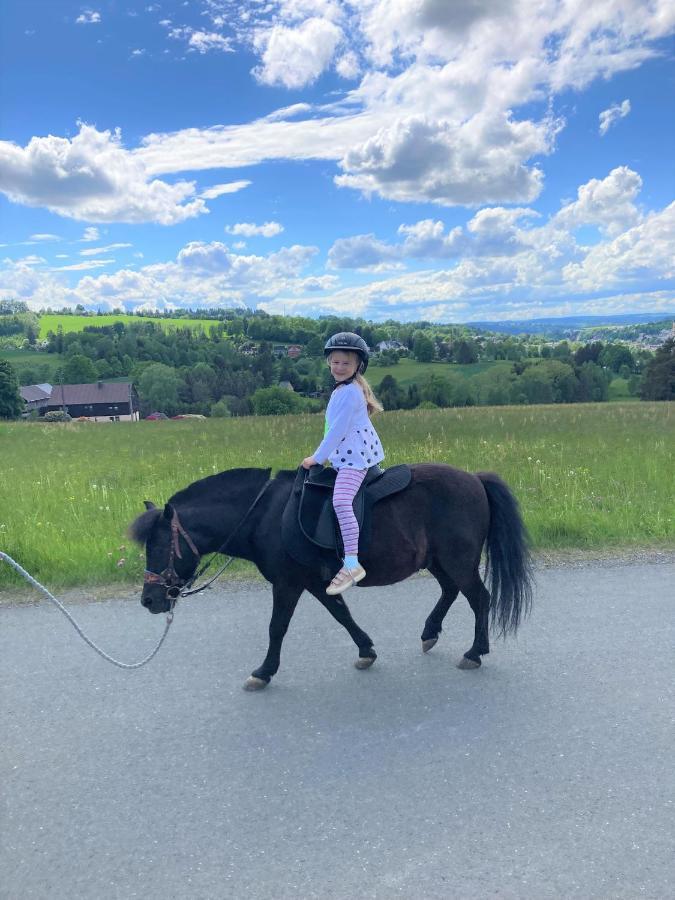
(99, 402)
(36, 396)
(294, 351)
(389, 345)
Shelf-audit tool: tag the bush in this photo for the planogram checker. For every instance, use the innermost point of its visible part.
(275, 401)
(57, 415)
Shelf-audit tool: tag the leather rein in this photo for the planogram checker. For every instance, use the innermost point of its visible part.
(179, 587)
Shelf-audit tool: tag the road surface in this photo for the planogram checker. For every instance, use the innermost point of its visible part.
(548, 773)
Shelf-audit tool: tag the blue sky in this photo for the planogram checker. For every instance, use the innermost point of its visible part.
(412, 159)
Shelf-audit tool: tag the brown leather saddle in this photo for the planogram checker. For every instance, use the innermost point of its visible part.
(309, 525)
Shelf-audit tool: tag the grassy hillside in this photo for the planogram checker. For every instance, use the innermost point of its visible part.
(588, 475)
(78, 323)
(408, 370)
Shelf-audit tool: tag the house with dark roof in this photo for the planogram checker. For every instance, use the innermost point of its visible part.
(102, 401)
(36, 396)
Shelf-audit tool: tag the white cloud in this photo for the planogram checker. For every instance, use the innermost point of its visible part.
(482, 161)
(607, 203)
(645, 251)
(139, 52)
(92, 177)
(88, 17)
(109, 249)
(435, 117)
(39, 238)
(295, 57)
(348, 66)
(609, 117)
(203, 41)
(363, 251)
(83, 266)
(218, 189)
(90, 234)
(250, 229)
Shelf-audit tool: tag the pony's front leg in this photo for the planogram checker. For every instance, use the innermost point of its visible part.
(339, 610)
(285, 599)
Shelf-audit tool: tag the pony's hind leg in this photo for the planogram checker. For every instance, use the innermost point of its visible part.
(479, 601)
(434, 622)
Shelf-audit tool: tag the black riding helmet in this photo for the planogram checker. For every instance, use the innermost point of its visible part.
(347, 340)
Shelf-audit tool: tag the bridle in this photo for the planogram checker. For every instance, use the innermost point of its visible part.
(170, 579)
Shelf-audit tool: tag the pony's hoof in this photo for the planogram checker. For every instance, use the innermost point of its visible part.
(466, 663)
(427, 645)
(255, 684)
(365, 662)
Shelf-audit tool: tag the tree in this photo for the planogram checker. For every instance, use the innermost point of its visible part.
(464, 352)
(436, 389)
(11, 404)
(423, 347)
(79, 369)
(616, 355)
(658, 382)
(158, 388)
(390, 393)
(275, 401)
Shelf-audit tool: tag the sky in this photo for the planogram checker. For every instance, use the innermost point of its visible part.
(392, 159)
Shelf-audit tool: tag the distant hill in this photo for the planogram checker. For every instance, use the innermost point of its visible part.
(562, 324)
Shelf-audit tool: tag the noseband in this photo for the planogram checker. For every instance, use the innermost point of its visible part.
(169, 578)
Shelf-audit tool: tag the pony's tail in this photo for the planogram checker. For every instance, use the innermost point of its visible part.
(508, 560)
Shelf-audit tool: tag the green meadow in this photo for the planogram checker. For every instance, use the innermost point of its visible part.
(408, 371)
(586, 475)
(51, 322)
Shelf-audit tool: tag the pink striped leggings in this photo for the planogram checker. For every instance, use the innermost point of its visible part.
(347, 483)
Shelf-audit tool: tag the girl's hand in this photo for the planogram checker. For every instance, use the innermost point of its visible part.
(308, 462)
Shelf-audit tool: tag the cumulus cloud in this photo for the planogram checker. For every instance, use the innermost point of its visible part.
(92, 177)
(644, 251)
(295, 57)
(607, 203)
(363, 251)
(250, 229)
(90, 234)
(482, 161)
(609, 117)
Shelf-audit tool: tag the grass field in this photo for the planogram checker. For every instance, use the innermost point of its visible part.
(587, 476)
(408, 370)
(21, 359)
(78, 323)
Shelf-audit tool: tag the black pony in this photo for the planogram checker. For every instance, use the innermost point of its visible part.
(440, 522)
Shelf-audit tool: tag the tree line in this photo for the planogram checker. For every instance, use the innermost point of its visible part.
(233, 368)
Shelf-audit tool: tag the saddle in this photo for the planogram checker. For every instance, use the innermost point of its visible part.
(310, 529)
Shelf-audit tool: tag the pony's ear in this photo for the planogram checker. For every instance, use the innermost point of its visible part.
(149, 504)
(168, 511)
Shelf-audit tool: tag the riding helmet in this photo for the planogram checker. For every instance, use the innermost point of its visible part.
(347, 340)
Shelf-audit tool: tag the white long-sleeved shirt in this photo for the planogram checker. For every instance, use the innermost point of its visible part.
(350, 439)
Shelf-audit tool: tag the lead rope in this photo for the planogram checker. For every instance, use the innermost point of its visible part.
(115, 662)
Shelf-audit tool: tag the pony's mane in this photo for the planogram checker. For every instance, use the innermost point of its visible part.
(140, 528)
(215, 484)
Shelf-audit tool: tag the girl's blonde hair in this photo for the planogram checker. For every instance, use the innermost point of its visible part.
(373, 405)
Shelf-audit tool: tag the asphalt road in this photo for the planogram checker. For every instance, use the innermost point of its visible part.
(548, 773)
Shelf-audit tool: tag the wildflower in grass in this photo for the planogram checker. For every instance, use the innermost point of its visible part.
(120, 562)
